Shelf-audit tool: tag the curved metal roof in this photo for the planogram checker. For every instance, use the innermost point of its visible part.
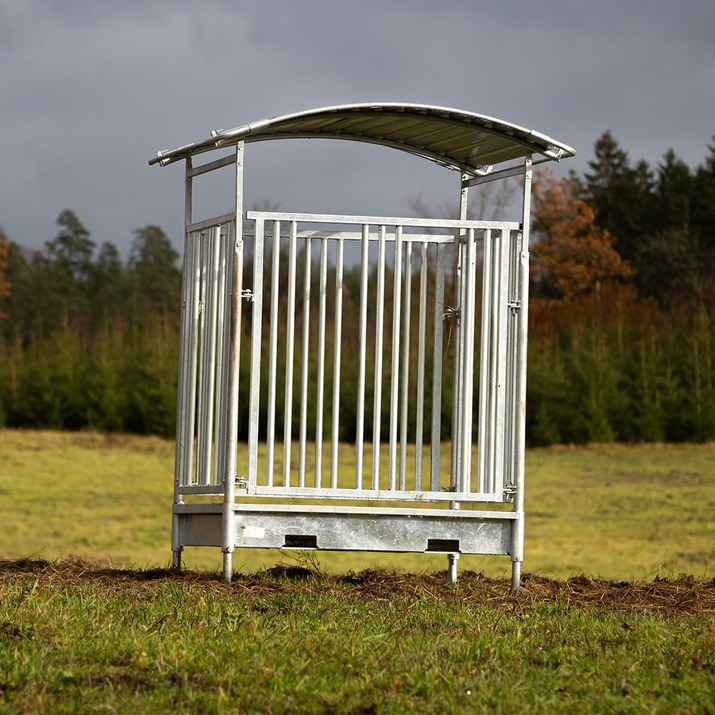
(459, 140)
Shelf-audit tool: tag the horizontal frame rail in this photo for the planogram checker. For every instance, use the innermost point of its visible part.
(383, 221)
(471, 514)
(374, 494)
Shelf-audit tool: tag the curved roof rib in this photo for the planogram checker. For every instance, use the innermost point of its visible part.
(459, 140)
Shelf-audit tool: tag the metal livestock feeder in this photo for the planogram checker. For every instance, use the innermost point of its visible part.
(286, 491)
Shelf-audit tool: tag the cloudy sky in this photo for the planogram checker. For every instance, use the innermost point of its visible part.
(91, 89)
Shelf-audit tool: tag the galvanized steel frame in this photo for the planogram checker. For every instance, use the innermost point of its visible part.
(406, 512)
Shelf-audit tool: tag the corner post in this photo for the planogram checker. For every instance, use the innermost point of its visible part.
(229, 470)
(517, 534)
(458, 416)
(183, 450)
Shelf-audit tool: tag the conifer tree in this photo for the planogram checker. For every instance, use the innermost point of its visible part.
(619, 194)
(152, 266)
(703, 216)
(4, 283)
(69, 260)
(108, 280)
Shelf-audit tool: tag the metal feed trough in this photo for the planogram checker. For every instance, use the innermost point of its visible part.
(423, 475)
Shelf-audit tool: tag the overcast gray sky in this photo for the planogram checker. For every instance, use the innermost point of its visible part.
(90, 89)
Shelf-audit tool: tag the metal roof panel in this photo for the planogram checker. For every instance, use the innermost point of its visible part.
(460, 140)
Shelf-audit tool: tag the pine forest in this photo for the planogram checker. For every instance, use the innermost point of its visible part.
(620, 323)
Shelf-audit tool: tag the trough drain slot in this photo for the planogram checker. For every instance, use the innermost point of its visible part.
(450, 546)
(300, 541)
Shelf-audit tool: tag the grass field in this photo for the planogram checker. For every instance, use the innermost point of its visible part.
(609, 511)
(80, 638)
(88, 634)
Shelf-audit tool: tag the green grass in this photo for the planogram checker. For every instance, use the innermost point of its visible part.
(78, 639)
(81, 637)
(611, 511)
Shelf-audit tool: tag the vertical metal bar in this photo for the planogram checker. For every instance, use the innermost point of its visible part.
(335, 429)
(421, 334)
(380, 322)
(201, 356)
(323, 287)
(222, 321)
(517, 542)
(187, 367)
(457, 367)
(193, 356)
(302, 446)
(360, 427)
(200, 417)
(290, 339)
(484, 434)
(437, 370)
(229, 471)
(405, 372)
(395, 364)
(493, 384)
(210, 255)
(500, 321)
(254, 407)
(273, 353)
(468, 364)
(512, 339)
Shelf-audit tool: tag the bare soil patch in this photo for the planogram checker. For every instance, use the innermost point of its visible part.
(684, 596)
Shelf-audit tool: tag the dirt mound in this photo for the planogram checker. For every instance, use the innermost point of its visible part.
(683, 596)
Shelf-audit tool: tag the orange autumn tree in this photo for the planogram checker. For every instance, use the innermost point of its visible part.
(572, 256)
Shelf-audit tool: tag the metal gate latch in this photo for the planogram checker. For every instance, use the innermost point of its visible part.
(451, 314)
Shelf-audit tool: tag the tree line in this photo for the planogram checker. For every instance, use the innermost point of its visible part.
(620, 342)
(89, 340)
(621, 321)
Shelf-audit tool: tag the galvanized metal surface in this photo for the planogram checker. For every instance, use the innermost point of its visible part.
(352, 529)
(460, 140)
(452, 480)
(269, 500)
(207, 316)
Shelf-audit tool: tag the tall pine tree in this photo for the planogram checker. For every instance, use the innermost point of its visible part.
(69, 259)
(4, 283)
(155, 277)
(619, 195)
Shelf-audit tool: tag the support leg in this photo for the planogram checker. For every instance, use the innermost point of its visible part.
(517, 551)
(228, 537)
(452, 569)
(227, 565)
(515, 577)
(176, 546)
